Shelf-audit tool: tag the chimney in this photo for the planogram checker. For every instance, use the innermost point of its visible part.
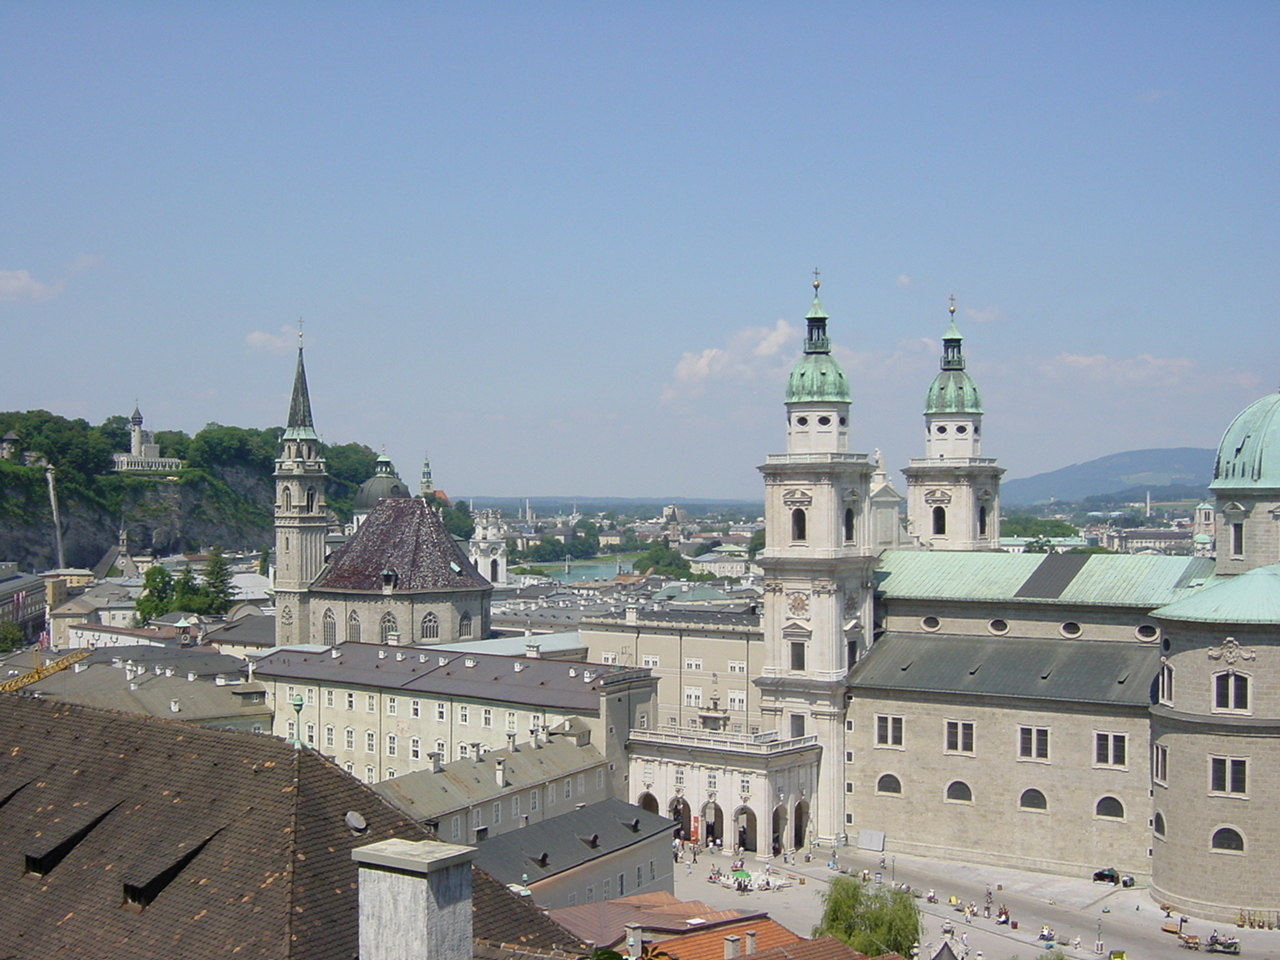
(415, 900)
(220, 681)
(437, 761)
(191, 675)
(731, 947)
(334, 653)
(475, 749)
(635, 940)
(751, 942)
(174, 707)
(511, 741)
(500, 772)
(533, 735)
(533, 650)
(633, 613)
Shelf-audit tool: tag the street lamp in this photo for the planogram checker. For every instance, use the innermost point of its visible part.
(893, 869)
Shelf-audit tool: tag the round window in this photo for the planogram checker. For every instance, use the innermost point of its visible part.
(940, 429)
(962, 430)
(802, 421)
(998, 627)
(1147, 631)
(824, 421)
(931, 623)
(1070, 629)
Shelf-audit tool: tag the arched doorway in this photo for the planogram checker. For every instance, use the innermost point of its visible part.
(744, 827)
(712, 823)
(779, 829)
(800, 825)
(648, 802)
(678, 810)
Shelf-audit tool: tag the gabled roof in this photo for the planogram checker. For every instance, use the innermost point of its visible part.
(604, 922)
(1075, 579)
(238, 842)
(406, 538)
(709, 945)
(1081, 671)
(549, 847)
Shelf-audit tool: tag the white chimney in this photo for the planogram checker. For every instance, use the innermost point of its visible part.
(533, 650)
(437, 761)
(334, 653)
(500, 772)
(173, 706)
(415, 900)
(751, 942)
(731, 947)
(399, 655)
(220, 681)
(633, 613)
(191, 676)
(382, 654)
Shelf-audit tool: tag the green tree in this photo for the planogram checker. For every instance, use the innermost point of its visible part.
(115, 430)
(756, 544)
(218, 592)
(1040, 544)
(870, 919)
(457, 519)
(264, 562)
(157, 594)
(173, 443)
(1025, 525)
(186, 593)
(11, 637)
(664, 561)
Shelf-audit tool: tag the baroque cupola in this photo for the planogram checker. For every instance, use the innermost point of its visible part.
(817, 390)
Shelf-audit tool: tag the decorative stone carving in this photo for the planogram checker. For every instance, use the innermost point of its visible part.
(798, 605)
(824, 587)
(1231, 651)
(937, 497)
(797, 498)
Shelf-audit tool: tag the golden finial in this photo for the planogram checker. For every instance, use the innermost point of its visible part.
(816, 283)
(953, 304)
(299, 331)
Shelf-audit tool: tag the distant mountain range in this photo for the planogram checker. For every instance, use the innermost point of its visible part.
(1137, 470)
(628, 506)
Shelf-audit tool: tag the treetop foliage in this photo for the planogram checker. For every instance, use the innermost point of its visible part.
(871, 919)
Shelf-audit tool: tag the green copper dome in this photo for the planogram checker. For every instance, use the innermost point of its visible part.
(817, 377)
(952, 390)
(1249, 454)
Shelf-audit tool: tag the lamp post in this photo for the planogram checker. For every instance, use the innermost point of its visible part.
(893, 869)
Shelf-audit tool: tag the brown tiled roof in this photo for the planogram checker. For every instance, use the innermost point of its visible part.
(822, 948)
(710, 945)
(604, 922)
(409, 538)
(237, 841)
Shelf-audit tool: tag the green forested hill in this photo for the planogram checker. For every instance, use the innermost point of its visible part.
(223, 496)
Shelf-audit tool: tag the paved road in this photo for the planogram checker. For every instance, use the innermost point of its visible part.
(1073, 907)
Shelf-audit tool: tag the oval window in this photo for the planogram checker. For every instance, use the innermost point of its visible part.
(998, 627)
(931, 623)
(824, 421)
(843, 421)
(1070, 629)
(1147, 631)
(802, 421)
(962, 430)
(941, 429)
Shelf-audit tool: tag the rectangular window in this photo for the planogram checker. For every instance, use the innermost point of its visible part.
(693, 663)
(391, 706)
(497, 812)
(643, 721)
(713, 781)
(350, 739)
(477, 818)
(511, 721)
(391, 773)
(533, 801)
(1109, 749)
(291, 730)
(311, 696)
(1166, 684)
(455, 828)
(328, 698)
(551, 794)
(600, 778)
(648, 772)
(737, 699)
(391, 744)
(797, 725)
(440, 711)
(653, 871)
(415, 749)
(607, 888)
(591, 894)
(328, 736)
(351, 701)
(1159, 763)
(649, 660)
(1033, 743)
(370, 703)
(1237, 539)
(679, 776)
(1231, 691)
(693, 696)
(744, 785)
(568, 788)
(848, 786)
(737, 666)
(888, 731)
(370, 742)
(848, 756)
(515, 807)
(609, 658)
(464, 713)
(797, 654)
(291, 694)
(1228, 775)
(959, 736)
(582, 784)
(486, 717)
(415, 708)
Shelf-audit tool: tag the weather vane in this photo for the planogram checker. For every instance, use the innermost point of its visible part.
(953, 304)
(299, 331)
(816, 284)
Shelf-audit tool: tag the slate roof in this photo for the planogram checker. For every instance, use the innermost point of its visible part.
(604, 922)
(252, 630)
(555, 684)
(409, 538)
(508, 857)
(1115, 580)
(241, 838)
(1101, 672)
(1251, 597)
(425, 795)
(548, 644)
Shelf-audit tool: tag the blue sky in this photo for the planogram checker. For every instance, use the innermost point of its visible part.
(567, 247)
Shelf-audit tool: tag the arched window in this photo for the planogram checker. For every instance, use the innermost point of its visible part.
(353, 627)
(1225, 838)
(1158, 824)
(888, 784)
(848, 524)
(464, 626)
(1166, 684)
(286, 499)
(1033, 799)
(330, 627)
(1110, 807)
(493, 571)
(430, 627)
(798, 524)
(959, 790)
(311, 499)
(939, 520)
(388, 630)
(286, 616)
(982, 521)
(1231, 691)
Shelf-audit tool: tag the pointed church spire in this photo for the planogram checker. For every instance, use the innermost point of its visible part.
(300, 426)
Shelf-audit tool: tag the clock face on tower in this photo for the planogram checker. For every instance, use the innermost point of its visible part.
(798, 604)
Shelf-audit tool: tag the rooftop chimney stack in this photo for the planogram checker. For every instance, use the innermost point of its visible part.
(731, 947)
(511, 741)
(751, 942)
(415, 900)
(437, 761)
(500, 772)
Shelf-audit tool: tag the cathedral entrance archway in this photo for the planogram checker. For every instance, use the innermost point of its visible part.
(712, 823)
(648, 802)
(744, 825)
(678, 810)
(800, 825)
(779, 829)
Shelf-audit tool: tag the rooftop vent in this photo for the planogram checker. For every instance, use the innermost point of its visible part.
(422, 658)
(441, 661)
(221, 681)
(334, 653)
(191, 675)
(382, 654)
(174, 706)
(399, 655)
(356, 823)
(517, 665)
(573, 671)
(470, 661)
(453, 565)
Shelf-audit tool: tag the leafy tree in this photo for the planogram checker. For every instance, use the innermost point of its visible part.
(457, 519)
(11, 637)
(173, 443)
(1090, 550)
(664, 561)
(264, 562)
(1024, 525)
(157, 594)
(756, 544)
(115, 430)
(186, 593)
(1040, 544)
(870, 919)
(217, 592)
(348, 465)
(648, 951)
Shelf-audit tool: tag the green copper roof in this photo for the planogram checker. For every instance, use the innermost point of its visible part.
(299, 425)
(1249, 454)
(1252, 597)
(817, 377)
(952, 390)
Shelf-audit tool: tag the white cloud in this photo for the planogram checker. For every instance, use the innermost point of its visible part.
(904, 281)
(753, 353)
(989, 315)
(20, 285)
(283, 342)
(1143, 368)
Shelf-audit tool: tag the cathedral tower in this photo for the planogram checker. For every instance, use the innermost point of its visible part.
(818, 566)
(301, 519)
(953, 492)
